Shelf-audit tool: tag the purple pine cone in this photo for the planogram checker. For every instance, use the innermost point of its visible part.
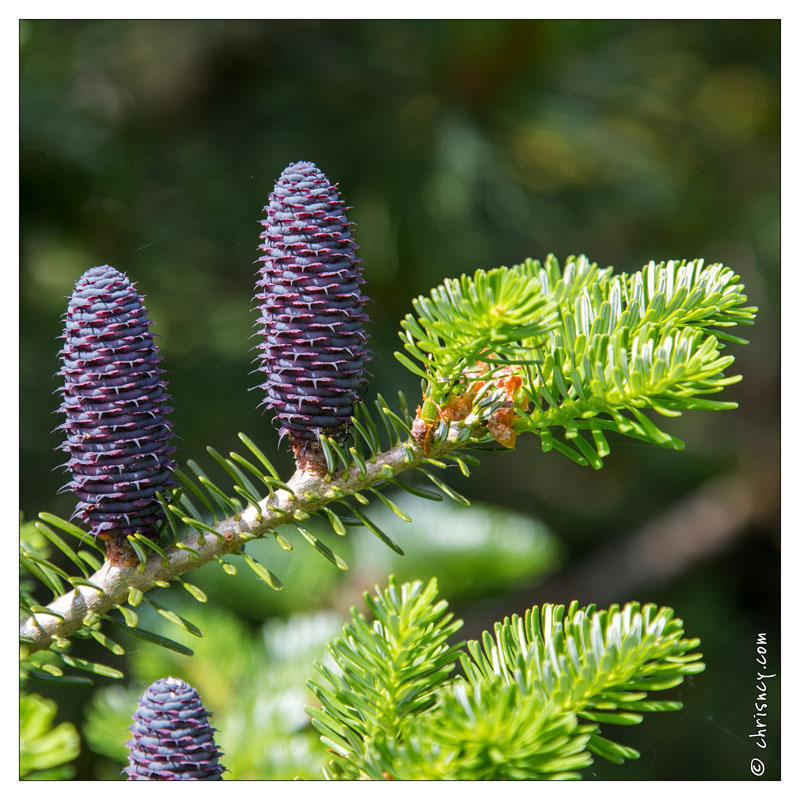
(117, 431)
(172, 740)
(311, 308)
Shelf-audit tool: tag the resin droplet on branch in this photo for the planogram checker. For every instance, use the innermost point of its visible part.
(115, 402)
(172, 737)
(313, 344)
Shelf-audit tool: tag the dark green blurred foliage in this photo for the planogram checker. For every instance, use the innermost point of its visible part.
(44, 750)
(153, 145)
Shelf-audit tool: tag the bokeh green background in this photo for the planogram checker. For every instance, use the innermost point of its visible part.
(153, 146)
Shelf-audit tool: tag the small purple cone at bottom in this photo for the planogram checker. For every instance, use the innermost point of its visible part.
(172, 738)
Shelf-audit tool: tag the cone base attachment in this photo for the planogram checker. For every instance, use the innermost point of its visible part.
(309, 457)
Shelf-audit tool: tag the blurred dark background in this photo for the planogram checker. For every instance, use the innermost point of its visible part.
(153, 146)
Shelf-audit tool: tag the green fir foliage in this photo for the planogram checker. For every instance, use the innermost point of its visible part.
(493, 315)
(388, 671)
(593, 349)
(530, 705)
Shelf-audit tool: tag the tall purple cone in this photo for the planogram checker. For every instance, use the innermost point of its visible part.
(172, 738)
(117, 431)
(311, 318)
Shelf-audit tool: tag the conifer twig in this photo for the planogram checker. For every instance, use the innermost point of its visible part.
(113, 583)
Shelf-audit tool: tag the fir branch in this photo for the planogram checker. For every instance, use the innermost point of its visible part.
(304, 493)
(530, 704)
(389, 670)
(536, 694)
(579, 349)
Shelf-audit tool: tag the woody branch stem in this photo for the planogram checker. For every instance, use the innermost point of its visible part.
(114, 582)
